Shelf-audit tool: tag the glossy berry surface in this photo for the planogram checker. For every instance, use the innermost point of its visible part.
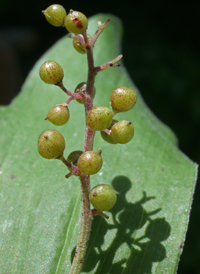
(76, 22)
(99, 118)
(51, 73)
(55, 15)
(122, 132)
(90, 162)
(123, 99)
(107, 137)
(81, 89)
(51, 144)
(58, 115)
(103, 197)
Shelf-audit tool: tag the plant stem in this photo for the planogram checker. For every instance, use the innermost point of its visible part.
(86, 214)
(86, 221)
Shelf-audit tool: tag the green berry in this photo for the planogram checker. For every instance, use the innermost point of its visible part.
(122, 132)
(55, 15)
(51, 144)
(76, 22)
(99, 118)
(73, 157)
(107, 136)
(122, 99)
(81, 89)
(103, 197)
(90, 162)
(58, 115)
(51, 73)
(79, 43)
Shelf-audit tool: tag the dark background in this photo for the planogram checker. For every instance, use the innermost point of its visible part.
(161, 50)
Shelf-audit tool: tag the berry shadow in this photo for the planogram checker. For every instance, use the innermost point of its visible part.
(143, 251)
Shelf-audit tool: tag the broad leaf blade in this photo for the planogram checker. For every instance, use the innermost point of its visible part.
(40, 209)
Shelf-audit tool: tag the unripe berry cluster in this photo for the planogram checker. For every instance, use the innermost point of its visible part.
(51, 143)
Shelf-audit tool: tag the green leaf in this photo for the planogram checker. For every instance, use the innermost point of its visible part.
(40, 209)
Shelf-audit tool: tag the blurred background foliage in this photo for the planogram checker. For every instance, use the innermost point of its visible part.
(161, 52)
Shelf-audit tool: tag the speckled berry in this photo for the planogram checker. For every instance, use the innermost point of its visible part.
(51, 73)
(90, 162)
(122, 132)
(99, 118)
(55, 15)
(103, 197)
(58, 115)
(76, 22)
(51, 144)
(123, 99)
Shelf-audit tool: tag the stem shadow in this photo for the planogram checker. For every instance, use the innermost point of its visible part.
(127, 252)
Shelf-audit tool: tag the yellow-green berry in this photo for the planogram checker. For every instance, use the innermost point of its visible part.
(81, 89)
(107, 137)
(55, 15)
(122, 99)
(51, 73)
(51, 144)
(76, 22)
(90, 162)
(122, 132)
(58, 115)
(103, 197)
(99, 118)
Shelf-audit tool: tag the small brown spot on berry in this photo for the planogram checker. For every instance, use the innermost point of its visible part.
(79, 25)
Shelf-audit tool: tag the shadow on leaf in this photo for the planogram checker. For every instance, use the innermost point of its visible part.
(128, 218)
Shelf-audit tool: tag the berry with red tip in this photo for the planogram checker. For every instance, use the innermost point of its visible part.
(123, 99)
(122, 132)
(99, 118)
(51, 73)
(76, 22)
(55, 15)
(103, 197)
(51, 144)
(90, 162)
